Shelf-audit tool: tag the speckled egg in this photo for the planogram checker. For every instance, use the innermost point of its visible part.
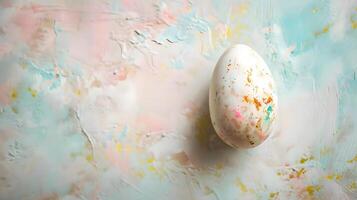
(242, 98)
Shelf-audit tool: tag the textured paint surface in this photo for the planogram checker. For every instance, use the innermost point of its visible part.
(109, 99)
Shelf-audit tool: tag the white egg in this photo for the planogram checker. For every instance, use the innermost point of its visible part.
(242, 99)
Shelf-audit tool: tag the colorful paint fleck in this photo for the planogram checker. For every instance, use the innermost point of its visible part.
(109, 99)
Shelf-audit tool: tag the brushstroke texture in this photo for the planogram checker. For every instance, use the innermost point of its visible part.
(108, 99)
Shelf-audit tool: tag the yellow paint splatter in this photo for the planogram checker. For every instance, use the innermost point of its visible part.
(353, 23)
(352, 186)
(305, 159)
(228, 32)
(338, 177)
(296, 173)
(13, 94)
(273, 195)
(324, 30)
(257, 104)
(335, 177)
(255, 101)
(243, 8)
(219, 166)
(291, 173)
(15, 110)
(152, 168)
(311, 189)
(234, 30)
(89, 157)
(315, 10)
(300, 172)
(140, 174)
(329, 177)
(258, 125)
(353, 159)
(32, 92)
(119, 147)
(249, 79)
(241, 186)
(246, 99)
(150, 160)
(77, 92)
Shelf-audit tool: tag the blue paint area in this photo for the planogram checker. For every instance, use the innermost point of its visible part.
(185, 28)
(37, 121)
(300, 25)
(47, 73)
(123, 133)
(269, 110)
(177, 63)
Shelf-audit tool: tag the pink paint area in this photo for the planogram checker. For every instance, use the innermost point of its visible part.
(4, 49)
(6, 3)
(110, 75)
(27, 21)
(94, 37)
(262, 136)
(5, 95)
(119, 157)
(122, 73)
(237, 114)
(167, 16)
(138, 6)
(153, 123)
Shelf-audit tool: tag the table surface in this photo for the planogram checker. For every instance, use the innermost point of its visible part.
(109, 99)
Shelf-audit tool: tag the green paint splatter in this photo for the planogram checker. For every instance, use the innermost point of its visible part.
(269, 110)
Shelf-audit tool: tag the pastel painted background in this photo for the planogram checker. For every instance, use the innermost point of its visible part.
(108, 100)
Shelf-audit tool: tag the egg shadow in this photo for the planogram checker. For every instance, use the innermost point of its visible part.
(206, 148)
